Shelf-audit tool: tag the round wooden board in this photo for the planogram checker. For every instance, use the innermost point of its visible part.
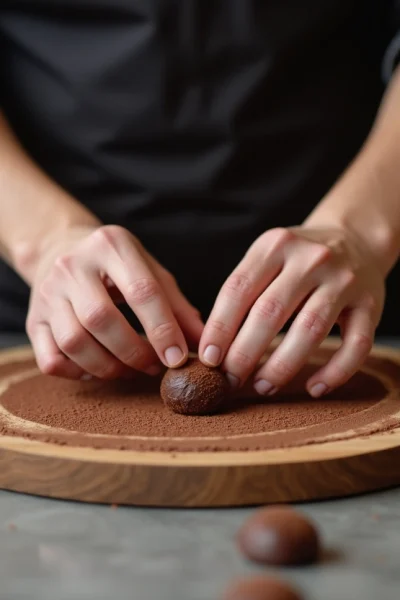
(203, 479)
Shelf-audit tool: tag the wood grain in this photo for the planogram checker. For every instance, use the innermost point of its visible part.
(318, 471)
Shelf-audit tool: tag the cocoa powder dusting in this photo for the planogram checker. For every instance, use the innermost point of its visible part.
(129, 415)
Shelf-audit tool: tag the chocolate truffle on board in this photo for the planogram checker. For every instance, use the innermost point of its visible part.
(193, 389)
(260, 588)
(279, 536)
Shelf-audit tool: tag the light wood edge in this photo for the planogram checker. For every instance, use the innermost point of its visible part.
(310, 453)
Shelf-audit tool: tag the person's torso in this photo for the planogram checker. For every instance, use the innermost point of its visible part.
(196, 124)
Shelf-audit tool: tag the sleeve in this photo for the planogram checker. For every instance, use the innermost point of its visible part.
(391, 57)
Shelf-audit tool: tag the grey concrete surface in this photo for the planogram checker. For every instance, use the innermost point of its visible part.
(53, 550)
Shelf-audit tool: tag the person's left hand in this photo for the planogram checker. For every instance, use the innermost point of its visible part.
(327, 276)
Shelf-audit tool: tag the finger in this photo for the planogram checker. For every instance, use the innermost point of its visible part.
(142, 291)
(267, 317)
(112, 290)
(191, 324)
(101, 318)
(186, 314)
(358, 331)
(254, 273)
(308, 330)
(48, 356)
(188, 318)
(76, 343)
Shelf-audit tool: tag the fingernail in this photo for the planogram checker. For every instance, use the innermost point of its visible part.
(232, 380)
(173, 356)
(264, 387)
(86, 377)
(212, 355)
(153, 370)
(318, 390)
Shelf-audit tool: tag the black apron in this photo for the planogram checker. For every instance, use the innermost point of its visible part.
(197, 124)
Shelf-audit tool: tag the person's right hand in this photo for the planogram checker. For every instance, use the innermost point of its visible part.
(73, 324)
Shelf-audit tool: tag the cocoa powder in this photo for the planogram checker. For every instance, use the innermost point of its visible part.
(131, 415)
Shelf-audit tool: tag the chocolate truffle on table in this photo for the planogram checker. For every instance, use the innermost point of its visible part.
(260, 588)
(193, 389)
(279, 536)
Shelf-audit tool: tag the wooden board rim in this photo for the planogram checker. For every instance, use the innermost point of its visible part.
(297, 454)
(218, 479)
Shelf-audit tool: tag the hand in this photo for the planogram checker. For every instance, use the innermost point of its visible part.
(328, 276)
(75, 327)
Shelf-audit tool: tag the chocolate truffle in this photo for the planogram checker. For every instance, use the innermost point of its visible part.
(279, 536)
(193, 389)
(260, 588)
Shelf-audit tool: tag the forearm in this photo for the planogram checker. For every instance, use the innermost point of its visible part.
(33, 208)
(366, 199)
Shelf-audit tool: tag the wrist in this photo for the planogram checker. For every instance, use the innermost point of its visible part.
(377, 235)
(377, 238)
(27, 254)
(364, 202)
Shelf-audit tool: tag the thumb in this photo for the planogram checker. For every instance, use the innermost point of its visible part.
(186, 314)
(189, 319)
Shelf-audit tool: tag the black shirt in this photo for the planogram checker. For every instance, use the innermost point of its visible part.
(197, 124)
